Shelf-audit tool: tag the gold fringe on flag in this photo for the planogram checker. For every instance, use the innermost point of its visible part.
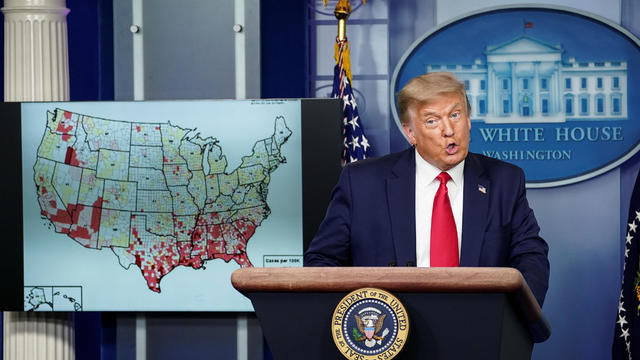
(346, 57)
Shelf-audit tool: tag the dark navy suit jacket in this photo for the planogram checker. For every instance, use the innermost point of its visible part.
(370, 220)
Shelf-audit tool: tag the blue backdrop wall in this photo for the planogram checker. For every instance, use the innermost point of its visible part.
(581, 222)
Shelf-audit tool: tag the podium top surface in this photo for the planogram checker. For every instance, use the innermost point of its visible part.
(407, 279)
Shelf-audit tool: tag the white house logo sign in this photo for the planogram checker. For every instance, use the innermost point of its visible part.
(549, 89)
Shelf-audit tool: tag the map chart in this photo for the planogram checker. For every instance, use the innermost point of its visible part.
(160, 196)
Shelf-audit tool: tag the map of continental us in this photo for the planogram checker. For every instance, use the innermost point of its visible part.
(159, 196)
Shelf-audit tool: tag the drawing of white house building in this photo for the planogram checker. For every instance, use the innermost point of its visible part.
(526, 81)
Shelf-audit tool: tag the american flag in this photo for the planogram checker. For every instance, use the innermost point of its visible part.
(626, 339)
(355, 143)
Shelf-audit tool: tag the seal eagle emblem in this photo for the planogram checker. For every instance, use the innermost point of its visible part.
(370, 323)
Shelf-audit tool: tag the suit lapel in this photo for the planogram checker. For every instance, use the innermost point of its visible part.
(402, 209)
(474, 211)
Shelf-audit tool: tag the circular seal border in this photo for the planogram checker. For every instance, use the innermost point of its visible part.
(576, 178)
(367, 295)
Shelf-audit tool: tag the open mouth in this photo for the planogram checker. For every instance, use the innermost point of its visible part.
(451, 148)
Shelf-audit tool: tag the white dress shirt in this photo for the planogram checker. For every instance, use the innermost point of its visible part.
(426, 188)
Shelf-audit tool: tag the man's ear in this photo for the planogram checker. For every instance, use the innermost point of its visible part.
(408, 132)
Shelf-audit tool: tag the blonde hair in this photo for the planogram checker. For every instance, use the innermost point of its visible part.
(424, 88)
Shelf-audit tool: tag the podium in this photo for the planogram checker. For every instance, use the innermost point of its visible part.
(454, 313)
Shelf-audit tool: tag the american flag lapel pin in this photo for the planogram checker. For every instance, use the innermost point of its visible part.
(482, 189)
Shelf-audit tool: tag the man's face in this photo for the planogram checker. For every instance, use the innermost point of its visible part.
(440, 130)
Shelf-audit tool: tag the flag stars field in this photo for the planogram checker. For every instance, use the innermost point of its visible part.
(352, 130)
(627, 321)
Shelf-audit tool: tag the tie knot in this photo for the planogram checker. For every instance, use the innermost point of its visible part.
(444, 177)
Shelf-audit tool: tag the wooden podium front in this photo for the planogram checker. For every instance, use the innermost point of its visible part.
(454, 313)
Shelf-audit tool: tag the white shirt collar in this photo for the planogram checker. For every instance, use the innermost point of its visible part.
(427, 173)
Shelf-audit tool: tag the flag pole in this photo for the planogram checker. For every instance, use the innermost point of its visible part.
(342, 12)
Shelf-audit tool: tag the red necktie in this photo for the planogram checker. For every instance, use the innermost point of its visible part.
(444, 236)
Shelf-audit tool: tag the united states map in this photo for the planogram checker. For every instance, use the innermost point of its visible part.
(158, 195)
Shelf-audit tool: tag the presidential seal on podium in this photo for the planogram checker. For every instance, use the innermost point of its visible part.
(370, 323)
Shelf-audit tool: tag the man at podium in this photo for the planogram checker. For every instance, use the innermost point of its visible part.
(434, 204)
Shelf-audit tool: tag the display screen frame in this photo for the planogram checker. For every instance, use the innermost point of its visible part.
(321, 123)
